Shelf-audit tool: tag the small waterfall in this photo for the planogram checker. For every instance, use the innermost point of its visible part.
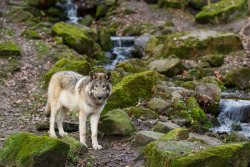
(71, 10)
(234, 112)
(122, 49)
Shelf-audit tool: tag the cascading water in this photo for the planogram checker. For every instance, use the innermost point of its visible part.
(234, 112)
(71, 10)
(122, 49)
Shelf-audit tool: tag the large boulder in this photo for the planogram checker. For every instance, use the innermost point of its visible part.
(116, 122)
(25, 149)
(128, 91)
(143, 137)
(238, 77)
(9, 49)
(80, 66)
(196, 43)
(225, 155)
(104, 38)
(170, 66)
(222, 12)
(74, 37)
(134, 65)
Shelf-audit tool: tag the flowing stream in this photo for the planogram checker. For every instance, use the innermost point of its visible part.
(234, 112)
(71, 10)
(120, 52)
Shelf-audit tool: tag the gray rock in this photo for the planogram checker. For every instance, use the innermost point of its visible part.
(142, 138)
(209, 140)
(141, 41)
(190, 65)
(165, 127)
(158, 105)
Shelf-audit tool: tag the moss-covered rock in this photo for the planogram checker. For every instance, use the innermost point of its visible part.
(238, 77)
(75, 146)
(222, 12)
(25, 149)
(214, 60)
(20, 16)
(155, 41)
(165, 127)
(101, 10)
(176, 134)
(170, 66)
(236, 137)
(195, 111)
(104, 38)
(87, 20)
(176, 4)
(201, 42)
(138, 112)
(199, 127)
(42, 26)
(132, 31)
(213, 80)
(226, 155)
(74, 37)
(143, 137)
(80, 66)
(9, 49)
(90, 31)
(133, 65)
(158, 105)
(116, 122)
(30, 34)
(128, 91)
(180, 117)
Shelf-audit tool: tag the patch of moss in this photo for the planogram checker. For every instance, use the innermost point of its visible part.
(9, 49)
(176, 134)
(134, 65)
(138, 112)
(25, 149)
(104, 38)
(128, 91)
(30, 34)
(20, 16)
(196, 112)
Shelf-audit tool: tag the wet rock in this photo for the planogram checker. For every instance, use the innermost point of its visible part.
(170, 66)
(80, 66)
(236, 137)
(74, 37)
(30, 34)
(142, 138)
(158, 105)
(25, 149)
(104, 38)
(225, 155)
(9, 49)
(222, 12)
(116, 122)
(75, 145)
(165, 127)
(134, 65)
(128, 91)
(138, 112)
(238, 77)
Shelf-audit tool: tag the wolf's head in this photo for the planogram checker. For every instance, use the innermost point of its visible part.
(100, 87)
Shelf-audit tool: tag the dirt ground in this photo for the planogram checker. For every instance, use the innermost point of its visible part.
(22, 99)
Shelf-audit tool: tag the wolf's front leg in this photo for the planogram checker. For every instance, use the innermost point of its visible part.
(94, 119)
(82, 126)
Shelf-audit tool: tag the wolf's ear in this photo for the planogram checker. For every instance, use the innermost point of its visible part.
(108, 76)
(92, 76)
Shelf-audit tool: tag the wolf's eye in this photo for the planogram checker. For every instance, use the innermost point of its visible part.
(103, 86)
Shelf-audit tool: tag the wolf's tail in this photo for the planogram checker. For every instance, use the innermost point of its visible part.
(47, 109)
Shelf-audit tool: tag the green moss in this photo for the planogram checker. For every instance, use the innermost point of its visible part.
(130, 31)
(154, 41)
(87, 20)
(74, 37)
(134, 65)
(128, 11)
(138, 112)
(101, 11)
(20, 16)
(58, 40)
(75, 146)
(222, 11)
(9, 49)
(176, 134)
(198, 127)
(215, 60)
(116, 122)
(226, 156)
(197, 139)
(213, 80)
(196, 112)
(104, 38)
(30, 34)
(25, 149)
(64, 64)
(128, 91)
(189, 85)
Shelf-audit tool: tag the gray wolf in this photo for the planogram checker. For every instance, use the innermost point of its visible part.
(72, 91)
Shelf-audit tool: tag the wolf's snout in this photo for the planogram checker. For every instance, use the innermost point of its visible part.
(99, 97)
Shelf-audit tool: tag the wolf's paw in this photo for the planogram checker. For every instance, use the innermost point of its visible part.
(53, 135)
(64, 134)
(97, 147)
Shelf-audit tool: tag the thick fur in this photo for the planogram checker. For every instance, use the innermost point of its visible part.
(87, 94)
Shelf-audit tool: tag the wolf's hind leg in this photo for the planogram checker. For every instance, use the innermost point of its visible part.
(82, 126)
(60, 118)
(94, 123)
(54, 110)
